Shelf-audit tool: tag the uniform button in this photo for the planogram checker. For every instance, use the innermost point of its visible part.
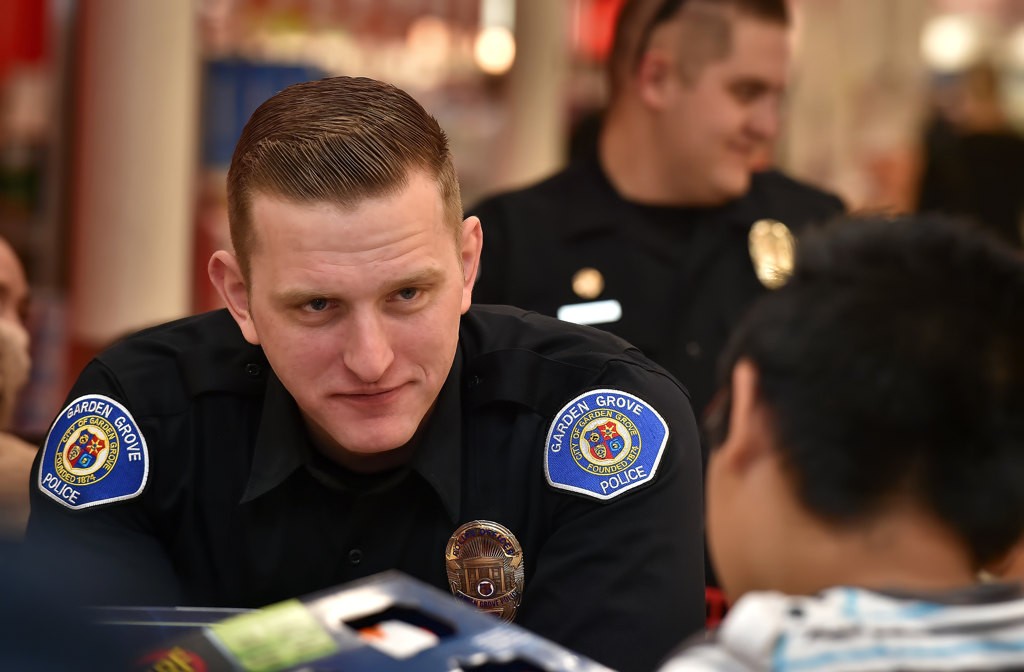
(474, 381)
(253, 369)
(355, 556)
(693, 349)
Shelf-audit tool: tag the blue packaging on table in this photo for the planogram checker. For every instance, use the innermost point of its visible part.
(386, 622)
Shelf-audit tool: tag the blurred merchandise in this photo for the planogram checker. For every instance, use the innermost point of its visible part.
(385, 622)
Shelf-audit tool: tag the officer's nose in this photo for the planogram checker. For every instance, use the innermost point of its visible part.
(766, 119)
(368, 352)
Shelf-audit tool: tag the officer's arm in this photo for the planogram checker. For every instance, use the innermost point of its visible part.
(107, 553)
(622, 580)
(493, 277)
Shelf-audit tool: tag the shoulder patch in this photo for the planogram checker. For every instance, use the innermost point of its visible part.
(603, 443)
(94, 454)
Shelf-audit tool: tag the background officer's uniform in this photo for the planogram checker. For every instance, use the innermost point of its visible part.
(240, 510)
(682, 276)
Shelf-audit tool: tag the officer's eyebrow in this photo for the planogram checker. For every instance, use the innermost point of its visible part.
(298, 296)
(426, 276)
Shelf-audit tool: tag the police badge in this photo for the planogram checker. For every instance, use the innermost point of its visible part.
(94, 454)
(772, 248)
(485, 567)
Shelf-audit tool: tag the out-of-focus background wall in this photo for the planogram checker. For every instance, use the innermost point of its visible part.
(118, 117)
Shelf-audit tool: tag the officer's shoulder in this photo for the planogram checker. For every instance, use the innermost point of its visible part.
(774, 189)
(509, 333)
(496, 327)
(555, 191)
(183, 357)
(538, 362)
(166, 341)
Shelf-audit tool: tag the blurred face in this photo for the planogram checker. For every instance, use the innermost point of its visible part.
(718, 121)
(13, 288)
(358, 310)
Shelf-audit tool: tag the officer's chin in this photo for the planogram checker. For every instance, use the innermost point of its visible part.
(733, 184)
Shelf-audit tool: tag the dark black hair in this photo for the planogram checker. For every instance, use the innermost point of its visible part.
(893, 364)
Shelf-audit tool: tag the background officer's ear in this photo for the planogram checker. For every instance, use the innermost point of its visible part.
(654, 74)
(227, 278)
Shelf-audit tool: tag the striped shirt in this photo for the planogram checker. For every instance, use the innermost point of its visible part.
(850, 629)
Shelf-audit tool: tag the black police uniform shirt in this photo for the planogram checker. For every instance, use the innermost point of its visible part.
(681, 277)
(238, 510)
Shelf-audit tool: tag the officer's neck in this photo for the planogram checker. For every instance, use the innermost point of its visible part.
(635, 161)
(364, 463)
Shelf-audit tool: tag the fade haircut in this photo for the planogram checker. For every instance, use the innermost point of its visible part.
(707, 31)
(339, 140)
(892, 363)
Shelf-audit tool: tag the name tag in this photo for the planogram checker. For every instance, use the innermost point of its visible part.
(592, 312)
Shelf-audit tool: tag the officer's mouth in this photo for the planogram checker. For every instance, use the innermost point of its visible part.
(373, 397)
(743, 151)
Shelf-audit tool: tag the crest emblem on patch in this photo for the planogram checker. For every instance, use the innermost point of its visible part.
(485, 567)
(94, 454)
(604, 443)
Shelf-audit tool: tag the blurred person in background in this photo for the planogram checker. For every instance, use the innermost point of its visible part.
(16, 455)
(653, 236)
(868, 458)
(349, 412)
(668, 231)
(974, 159)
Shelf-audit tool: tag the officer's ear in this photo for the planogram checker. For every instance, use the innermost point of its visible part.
(471, 243)
(655, 74)
(226, 276)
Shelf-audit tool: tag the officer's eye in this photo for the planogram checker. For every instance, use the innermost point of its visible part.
(747, 91)
(318, 305)
(407, 293)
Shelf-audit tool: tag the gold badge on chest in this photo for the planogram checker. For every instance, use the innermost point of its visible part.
(485, 567)
(772, 249)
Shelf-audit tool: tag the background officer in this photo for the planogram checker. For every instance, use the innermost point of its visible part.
(350, 413)
(653, 236)
(869, 458)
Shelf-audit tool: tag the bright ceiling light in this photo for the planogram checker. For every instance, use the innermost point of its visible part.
(495, 50)
(953, 42)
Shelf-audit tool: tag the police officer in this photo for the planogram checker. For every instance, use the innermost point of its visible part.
(350, 413)
(663, 235)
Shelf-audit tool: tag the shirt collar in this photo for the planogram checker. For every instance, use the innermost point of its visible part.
(740, 212)
(280, 441)
(282, 444)
(438, 458)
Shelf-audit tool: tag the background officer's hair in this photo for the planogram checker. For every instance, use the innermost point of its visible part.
(339, 140)
(893, 365)
(710, 38)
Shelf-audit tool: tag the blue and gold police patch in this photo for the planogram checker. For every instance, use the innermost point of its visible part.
(94, 454)
(604, 443)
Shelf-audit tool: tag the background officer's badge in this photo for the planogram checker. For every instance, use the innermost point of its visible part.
(772, 249)
(485, 567)
(588, 283)
(94, 454)
(604, 443)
